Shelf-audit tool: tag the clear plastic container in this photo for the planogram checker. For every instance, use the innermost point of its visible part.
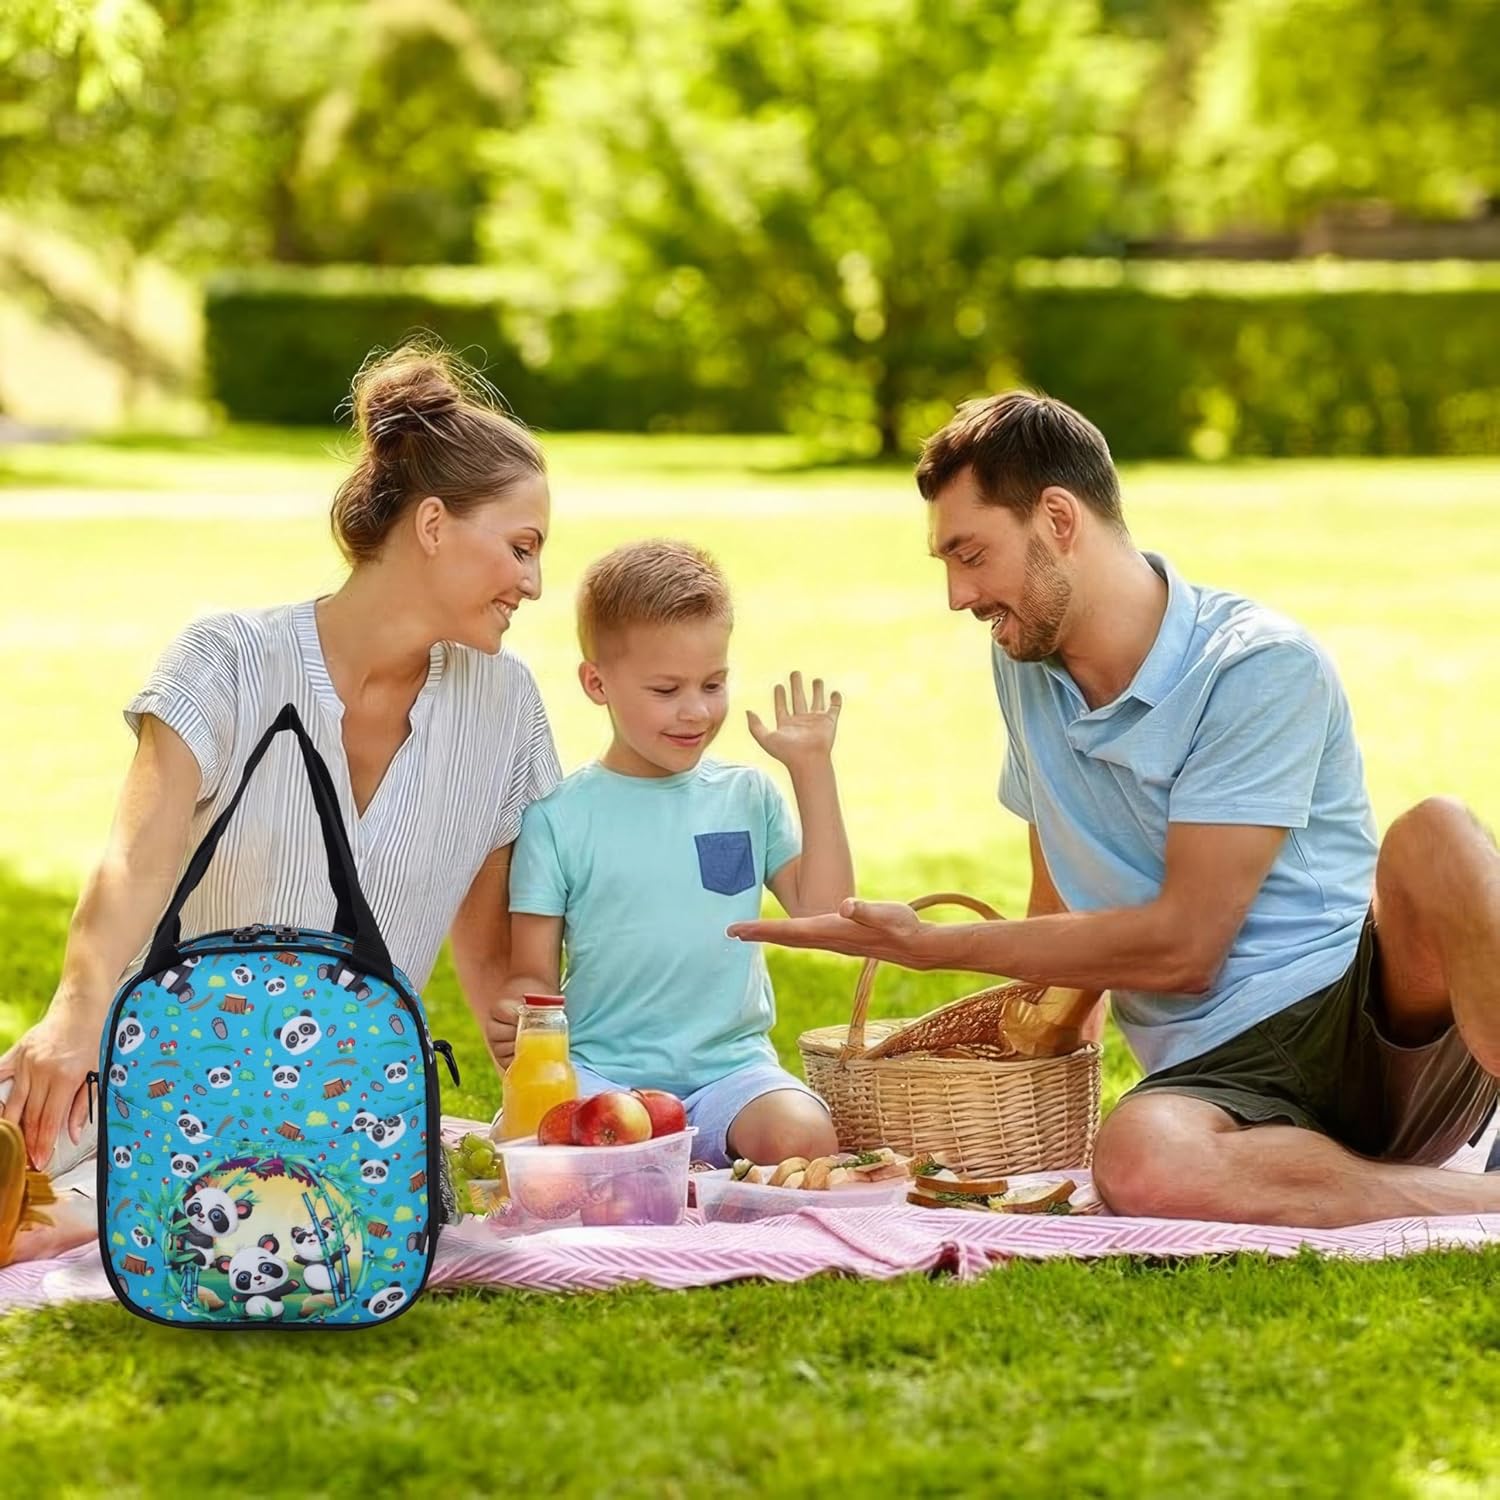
(558, 1187)
(540, 1074)
(723, 1200)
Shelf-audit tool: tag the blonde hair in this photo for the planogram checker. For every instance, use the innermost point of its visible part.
(655, 582)
(429, 424)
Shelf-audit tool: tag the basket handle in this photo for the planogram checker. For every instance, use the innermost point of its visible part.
(854, 1043)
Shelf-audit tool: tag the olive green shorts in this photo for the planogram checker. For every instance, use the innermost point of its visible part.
(1325, 1064)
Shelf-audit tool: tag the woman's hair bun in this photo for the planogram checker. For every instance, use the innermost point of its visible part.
(402, 395)
(429, 424)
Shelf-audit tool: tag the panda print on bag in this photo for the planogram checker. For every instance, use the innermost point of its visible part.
(263, 1145)
(301, 1034)
(259, 1278)
(211, 1214)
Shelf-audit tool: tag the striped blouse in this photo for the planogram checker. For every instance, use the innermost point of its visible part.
(480, 750)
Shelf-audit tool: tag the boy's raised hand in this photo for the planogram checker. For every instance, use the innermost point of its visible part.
(804, 732)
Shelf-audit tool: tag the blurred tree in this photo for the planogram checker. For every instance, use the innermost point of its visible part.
(102, 48)
(1300, 104)
(252, 130)
(826, 193)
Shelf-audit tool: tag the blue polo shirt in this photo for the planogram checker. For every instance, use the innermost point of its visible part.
(1235, 716)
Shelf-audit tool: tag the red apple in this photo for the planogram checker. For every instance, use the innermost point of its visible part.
(612, 1119)
(556, 1128)
(666, 1111)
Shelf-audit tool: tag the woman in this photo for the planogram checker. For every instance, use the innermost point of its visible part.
(435, 739)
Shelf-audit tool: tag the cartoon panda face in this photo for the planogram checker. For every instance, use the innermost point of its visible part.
(286, 1076)
(388, 1131)
(362, 1121)
(306, 1238)
(118, 1074)
(258, 1270)
(396, 1072)
(121, 1156)
(300, 1034)
(140, 1237)
(220, 1077)
(374, 1171)
(184, 1165)
(242, 976)
(129, 1035)
(385, 1301)
(193, 962)
(191, 1127)
(213, 1212)
(276, 985)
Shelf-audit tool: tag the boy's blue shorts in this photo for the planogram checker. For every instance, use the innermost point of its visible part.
(712, 1109)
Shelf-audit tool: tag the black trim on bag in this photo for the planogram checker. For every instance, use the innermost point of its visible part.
(353, 919)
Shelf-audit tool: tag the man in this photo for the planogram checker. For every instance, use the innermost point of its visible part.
(1318, 1015)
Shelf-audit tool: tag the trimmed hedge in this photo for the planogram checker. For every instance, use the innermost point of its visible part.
(283, 343)
(1262, 359)
(1170, 359)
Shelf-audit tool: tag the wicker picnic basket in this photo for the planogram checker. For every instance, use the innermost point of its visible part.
(951, 1084)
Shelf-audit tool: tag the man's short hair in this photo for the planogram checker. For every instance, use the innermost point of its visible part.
(648, 583)
(1017, 444)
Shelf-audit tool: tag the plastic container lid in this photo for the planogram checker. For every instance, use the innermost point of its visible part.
(544, 1002)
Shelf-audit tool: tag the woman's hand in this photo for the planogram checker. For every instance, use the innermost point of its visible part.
(47, 1067)
(806, 732)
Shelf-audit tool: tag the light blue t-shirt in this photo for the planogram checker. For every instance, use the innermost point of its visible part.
(1235, 716)
(646, 874)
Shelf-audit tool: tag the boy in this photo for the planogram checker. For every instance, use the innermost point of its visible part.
(637, 863)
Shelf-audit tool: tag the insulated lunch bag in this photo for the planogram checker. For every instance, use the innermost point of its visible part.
(269, 1148)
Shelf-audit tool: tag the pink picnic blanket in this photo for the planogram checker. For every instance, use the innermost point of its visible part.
(879, 1243)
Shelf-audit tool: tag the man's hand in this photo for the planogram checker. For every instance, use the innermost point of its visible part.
(804, 734)
(500, 1031)
(888, 930)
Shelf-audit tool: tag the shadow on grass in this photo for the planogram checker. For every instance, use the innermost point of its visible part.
(33, 928)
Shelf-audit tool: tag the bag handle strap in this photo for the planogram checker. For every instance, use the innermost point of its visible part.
(854, 1045)
(353, 918)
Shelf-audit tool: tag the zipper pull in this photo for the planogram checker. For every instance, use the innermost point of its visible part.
(91, 1078)
(249, 934)
(446, 1049)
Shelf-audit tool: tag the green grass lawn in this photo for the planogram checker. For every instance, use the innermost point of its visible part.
(1226, 1378)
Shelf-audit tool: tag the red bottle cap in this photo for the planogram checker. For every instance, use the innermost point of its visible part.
(544, 1000)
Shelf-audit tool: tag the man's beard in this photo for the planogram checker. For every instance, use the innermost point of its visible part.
(1039, 614)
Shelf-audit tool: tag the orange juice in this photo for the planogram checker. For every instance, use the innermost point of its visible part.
(540, 1074)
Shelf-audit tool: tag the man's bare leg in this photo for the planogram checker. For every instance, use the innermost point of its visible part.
(1437, 925)
(1171, 1156)
(1437, 929)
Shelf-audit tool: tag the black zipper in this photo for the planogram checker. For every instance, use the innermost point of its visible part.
(91, 1079)
(446, 1048)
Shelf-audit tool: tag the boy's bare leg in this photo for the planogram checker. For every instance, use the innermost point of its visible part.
(780, 1124)
(1171, 1156)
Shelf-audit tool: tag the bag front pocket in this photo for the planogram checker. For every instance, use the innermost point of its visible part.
(726, 862)
(291, 1227)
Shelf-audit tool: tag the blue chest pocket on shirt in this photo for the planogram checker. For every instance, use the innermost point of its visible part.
(726, 862)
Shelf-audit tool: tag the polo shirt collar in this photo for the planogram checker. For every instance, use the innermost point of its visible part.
(1162, 668)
